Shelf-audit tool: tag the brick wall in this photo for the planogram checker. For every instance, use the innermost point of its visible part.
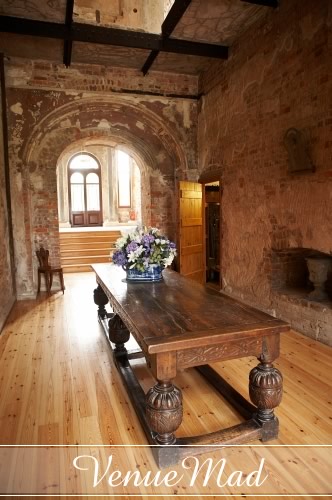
(96, 78)
(279, 75)
(43, 123)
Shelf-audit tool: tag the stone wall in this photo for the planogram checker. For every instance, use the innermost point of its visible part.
(6, 282)
(279, 75)
(43, 123)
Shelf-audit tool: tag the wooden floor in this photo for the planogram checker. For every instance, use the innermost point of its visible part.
(58, 384)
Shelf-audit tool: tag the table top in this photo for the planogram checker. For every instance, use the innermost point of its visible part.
(177, 313)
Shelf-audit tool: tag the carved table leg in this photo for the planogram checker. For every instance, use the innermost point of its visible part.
(100, 299)
(265, 390)
(164, 411)
(118, 334)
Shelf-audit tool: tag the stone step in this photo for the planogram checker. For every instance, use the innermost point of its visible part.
(81, 238)
(79, 251)
(78, 234)
(76, 268)
(85, 259)
(85, 245)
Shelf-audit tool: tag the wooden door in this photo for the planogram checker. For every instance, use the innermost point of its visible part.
(191, 248)
(85, 198)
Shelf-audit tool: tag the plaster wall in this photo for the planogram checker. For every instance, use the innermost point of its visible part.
(6, 283)
(43, 123)
(279, 76)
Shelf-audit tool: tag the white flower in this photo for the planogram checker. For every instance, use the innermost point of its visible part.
(168, 260)
(133, 256)
(120, 242)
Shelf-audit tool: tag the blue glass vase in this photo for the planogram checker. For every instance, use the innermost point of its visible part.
(152, 273)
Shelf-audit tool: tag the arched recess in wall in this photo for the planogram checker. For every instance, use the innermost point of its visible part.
(105, 151)
(132, 125)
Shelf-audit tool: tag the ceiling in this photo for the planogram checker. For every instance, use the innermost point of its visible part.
(180, 36)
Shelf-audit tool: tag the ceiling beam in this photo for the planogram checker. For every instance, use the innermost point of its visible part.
(68, 44)
(22, 26)
(150, 60)
(173, 17)
(264, 3)
(80, 32)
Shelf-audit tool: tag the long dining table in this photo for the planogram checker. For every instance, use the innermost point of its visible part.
(179, 324)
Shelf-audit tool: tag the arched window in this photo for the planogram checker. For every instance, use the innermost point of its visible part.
(85, 190)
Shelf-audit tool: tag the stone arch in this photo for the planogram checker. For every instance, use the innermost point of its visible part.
(96, 115)
(127, 121)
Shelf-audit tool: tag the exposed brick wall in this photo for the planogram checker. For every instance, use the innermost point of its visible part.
(44, 123)
(279, 76)
(96, 78)
(6, 283)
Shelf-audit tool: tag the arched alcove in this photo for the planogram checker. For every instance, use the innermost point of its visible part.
(105, 151)
(131, 127)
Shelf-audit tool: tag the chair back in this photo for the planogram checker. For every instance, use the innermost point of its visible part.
(43, 256)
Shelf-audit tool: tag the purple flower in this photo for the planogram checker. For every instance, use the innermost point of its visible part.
(119, 258)
(132, 247)
(172, 245)
(147, 239)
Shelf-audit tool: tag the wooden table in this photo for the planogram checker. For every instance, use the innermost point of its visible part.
(180, 324)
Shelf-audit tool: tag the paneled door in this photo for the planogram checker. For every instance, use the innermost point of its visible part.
(85, 194)
(191, 247)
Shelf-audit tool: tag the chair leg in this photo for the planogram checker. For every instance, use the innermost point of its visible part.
(39, 280)
(51, 280)
(61, 281)
(47, 280)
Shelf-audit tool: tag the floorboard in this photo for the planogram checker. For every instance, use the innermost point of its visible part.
(58, 384)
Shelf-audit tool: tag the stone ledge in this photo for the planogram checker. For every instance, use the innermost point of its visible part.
(299, 296)
(313, 319)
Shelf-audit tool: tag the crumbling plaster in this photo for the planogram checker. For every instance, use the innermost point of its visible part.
(6, 278)
(52, 120)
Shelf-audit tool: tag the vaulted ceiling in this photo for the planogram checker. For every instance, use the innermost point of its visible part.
(181, 36)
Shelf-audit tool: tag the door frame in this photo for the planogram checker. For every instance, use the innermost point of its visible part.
(85, 172)
(206, 178)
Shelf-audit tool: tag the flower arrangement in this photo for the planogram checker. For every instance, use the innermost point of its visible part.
(142, 248)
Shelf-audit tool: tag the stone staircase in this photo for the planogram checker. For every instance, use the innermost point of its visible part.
(79, 249)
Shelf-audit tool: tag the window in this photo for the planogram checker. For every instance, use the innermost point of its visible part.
(92, 192)
(124, 179)
(77, 192)
(83, 162)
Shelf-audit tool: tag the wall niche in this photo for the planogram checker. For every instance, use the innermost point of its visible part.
(289, 274)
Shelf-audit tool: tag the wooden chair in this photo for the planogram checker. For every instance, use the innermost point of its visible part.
(46, 269)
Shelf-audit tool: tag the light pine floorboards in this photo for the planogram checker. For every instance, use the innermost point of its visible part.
(58, 384)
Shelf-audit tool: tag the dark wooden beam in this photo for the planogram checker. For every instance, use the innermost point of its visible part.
(31, 27)
(173, 17)
(194, 48)
(110, 36)
(68, 44)
(264, 3)
(150, 60)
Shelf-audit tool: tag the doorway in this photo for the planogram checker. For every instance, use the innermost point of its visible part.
(199, 237)
(84, 191)
(212, 212)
